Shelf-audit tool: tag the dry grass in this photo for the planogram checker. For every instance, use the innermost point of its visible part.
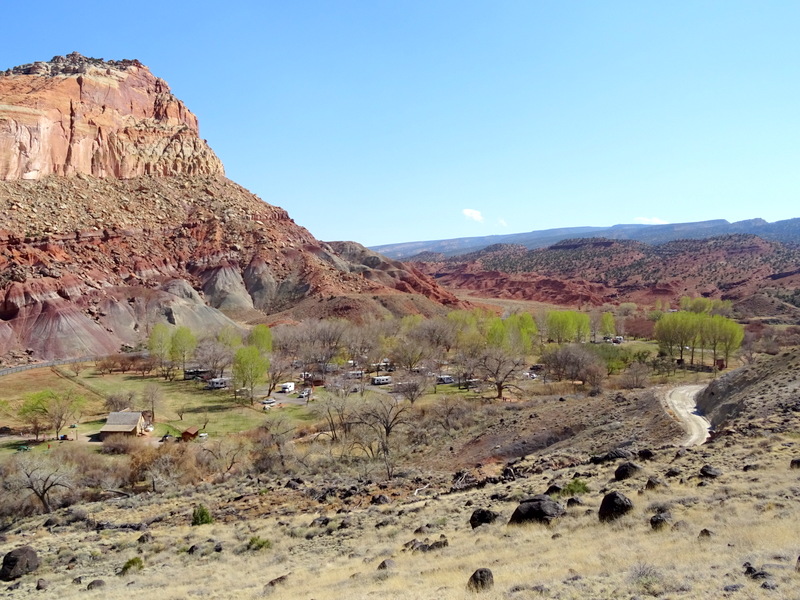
(752, 513)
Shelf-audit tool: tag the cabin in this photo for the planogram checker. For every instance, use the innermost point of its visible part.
(125, 422)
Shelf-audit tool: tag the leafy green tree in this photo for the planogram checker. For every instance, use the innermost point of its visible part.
(182, 346)
(249, 368)
(561, 326)
(608, 326)
(261, 338)
(33, 411)
(159, 344)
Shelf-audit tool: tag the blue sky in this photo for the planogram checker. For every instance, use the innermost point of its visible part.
(385, 121)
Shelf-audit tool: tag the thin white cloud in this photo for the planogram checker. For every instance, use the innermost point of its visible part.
(473, 214)
(502, 222)
(650, 221)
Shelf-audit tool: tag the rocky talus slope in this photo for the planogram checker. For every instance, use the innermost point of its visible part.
(116, 215)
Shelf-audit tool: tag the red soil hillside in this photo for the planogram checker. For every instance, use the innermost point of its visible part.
(117, 216)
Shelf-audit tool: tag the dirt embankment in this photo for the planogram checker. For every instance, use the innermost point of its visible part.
(763, 391)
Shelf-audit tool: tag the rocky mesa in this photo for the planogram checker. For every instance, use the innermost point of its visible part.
(117, 215)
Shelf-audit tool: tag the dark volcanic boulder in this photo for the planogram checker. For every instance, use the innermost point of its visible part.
(626, 470)
(795, 464)
(613, 506)
(482, 516)
(538, 509)
(660, 521)
(19, 562)
(614, 454)
(710, 472)
(481, 580)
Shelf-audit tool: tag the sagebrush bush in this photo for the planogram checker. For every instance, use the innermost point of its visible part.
(201, 515)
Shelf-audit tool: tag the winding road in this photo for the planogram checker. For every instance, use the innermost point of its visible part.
(680, 401)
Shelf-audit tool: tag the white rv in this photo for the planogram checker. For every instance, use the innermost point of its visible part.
(218, 383)
(381, 380)
(288, 387)
(444, 379)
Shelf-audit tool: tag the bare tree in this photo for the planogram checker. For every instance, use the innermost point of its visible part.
(41, 475)
(152, 399)
(635, 376)
(450, 412)
(412, 388)
(121, 400)
(227, 452)
(383, 415)
(499, 366)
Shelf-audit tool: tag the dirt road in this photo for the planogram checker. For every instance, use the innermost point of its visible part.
(680, 401)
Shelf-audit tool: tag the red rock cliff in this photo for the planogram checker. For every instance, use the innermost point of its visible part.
(101, 118)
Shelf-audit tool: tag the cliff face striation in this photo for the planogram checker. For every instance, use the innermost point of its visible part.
(117, 216)
(100, 118)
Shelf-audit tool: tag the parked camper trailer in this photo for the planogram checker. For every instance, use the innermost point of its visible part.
(444, 379)
(381, 380)
(218, 383)
(287, 387)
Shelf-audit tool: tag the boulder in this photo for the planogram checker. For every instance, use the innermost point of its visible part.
(19, 562)
(795, 464)
(386, 565)
(481, 580)
(96, 584)
(710, 472)
(626, 470)
(482, 516)
(660, 520)
(653, 483)
(538, 509)
(613, 506)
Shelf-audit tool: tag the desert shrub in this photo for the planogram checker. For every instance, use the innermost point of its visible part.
(201, 516)
(574, 487)
(122, 444)
(134, 564)
(257, 543)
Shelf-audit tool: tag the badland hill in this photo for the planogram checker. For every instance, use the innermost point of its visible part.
(761, 277)
(118, 215)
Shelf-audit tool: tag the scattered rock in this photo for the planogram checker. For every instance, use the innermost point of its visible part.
(538, 509)
(481, 580)
(653, 483)
(626, 470)
(673, 472)
(145, 538)
(645, 454)
(482, 516)
(614, 505)
(386, 565)
(380, 499)
(710, 472)
(96, 584)
(706, 533)
(270, 586)
(660, 521)
(574, 502)
(735, 587)
(19, 562)
(795, 464)
(42, 584)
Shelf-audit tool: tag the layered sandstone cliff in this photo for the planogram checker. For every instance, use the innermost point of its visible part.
(101, 118)
(116, 216)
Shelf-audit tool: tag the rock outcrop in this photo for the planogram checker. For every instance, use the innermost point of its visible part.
(100, 118)
(117, 216)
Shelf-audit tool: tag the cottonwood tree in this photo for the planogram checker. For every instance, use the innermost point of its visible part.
(121, 400)
(34, 413)
(261, 337)
(159, 344)
(152, 399)
(249, 367)
(61, 408)
(412, 388)
(182, 346)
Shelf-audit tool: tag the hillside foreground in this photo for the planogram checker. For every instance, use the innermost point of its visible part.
(328, 535)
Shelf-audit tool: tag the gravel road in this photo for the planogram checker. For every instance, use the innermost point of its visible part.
(681, 401)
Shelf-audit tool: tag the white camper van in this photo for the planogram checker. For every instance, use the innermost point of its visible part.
(381, 380)
(288, 387)
(444, 379)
